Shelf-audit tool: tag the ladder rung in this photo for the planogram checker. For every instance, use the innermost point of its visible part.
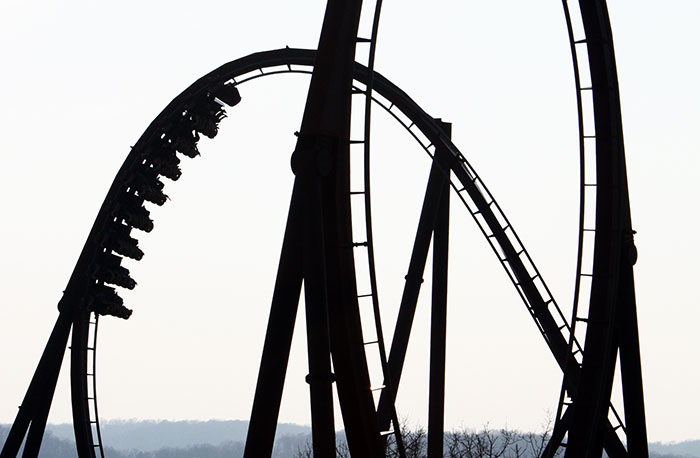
(586, 275)
(354, 193)
(380, 387)
(356, 90)
(363, 40)
(364, 295)
(578, 42)
(356, 142)
(356, 244)
(589, 136)
(617, 427)
(588, 88)
(371, 342)
(386, 433)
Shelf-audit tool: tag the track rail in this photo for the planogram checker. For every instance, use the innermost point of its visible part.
(587, 188)
(92, 395)
(384, 384)
(470, 188)
(574, 41)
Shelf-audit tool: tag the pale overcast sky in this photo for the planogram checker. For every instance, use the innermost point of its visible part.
(81, 81)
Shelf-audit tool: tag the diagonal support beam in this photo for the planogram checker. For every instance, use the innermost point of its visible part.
(631, 367)
(407, 310)
(278, 339)
(34, 410)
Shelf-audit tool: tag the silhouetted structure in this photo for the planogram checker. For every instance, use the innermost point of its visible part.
(318, 252)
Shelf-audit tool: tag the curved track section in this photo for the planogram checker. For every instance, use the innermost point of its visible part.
(606, 251)
(366, 94)
(89, 294)
(587, 179)
(176, 129)
(587, 188)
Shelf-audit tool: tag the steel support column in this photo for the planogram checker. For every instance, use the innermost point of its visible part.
(320, 378)
(438, 322)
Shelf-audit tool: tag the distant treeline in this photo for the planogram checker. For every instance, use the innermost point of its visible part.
(219, 439)
(152, 435)
(170, 439)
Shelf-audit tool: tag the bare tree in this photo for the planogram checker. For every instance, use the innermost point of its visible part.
(462, 443)
(414, 442)
(490, 443)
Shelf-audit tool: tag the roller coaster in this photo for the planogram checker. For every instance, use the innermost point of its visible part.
(319, 249)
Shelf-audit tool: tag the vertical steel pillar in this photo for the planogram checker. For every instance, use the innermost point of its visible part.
(438, 322)
(320, 377)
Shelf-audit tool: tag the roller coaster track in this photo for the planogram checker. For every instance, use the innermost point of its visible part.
(472, 191)
(584, 398)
